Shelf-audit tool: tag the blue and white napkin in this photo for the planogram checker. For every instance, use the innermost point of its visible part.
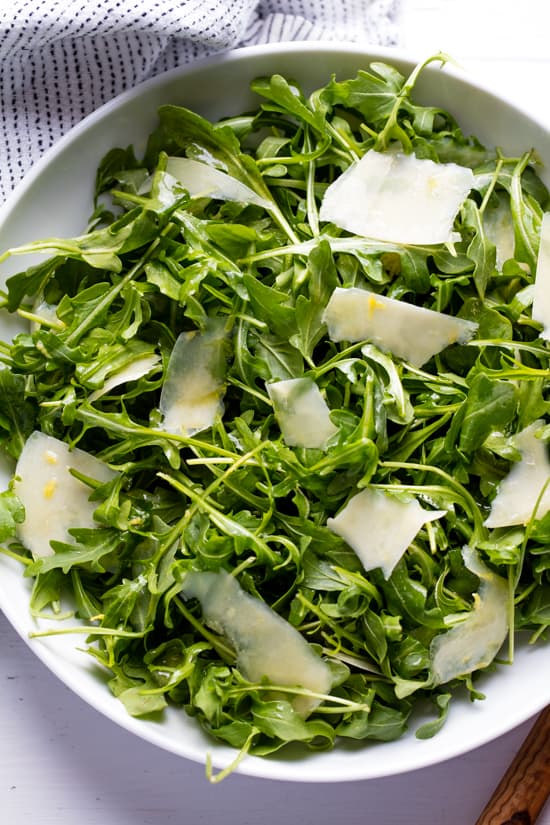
(60, 60)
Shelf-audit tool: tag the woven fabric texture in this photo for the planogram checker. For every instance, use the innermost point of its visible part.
(61, 60)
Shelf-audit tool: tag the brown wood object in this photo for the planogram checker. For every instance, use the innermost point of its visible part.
(525, 787)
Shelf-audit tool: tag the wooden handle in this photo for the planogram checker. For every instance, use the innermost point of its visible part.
(525, 786)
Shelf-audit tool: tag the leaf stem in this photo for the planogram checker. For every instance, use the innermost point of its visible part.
(226, 653)
(391, 125)
(455, 486)
(349, 704)
(234, 764)
(91, 319)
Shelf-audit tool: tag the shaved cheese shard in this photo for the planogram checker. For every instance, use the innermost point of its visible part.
(139, 367)
(301, 412)
(398, 198)
(406, 331)
(519, 491)
(379, 527)
(499, 228)
(266, 645)
(474, 642)
(191, 396)
(54, 500)
(204, 181)
(541, 297)
(47, 313)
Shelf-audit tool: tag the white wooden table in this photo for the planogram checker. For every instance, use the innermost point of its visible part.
(61, 762)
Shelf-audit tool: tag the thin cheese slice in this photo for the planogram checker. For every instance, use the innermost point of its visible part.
(54, 500)
(47, 313)
(204, 181)
(191, 396)
(519, 491)
(541, 296)
(398, 198)
(267, 646)
(301, 412)
(474, 642)
(499, 229)
(379, 527)
(406, 331)
(140, 366)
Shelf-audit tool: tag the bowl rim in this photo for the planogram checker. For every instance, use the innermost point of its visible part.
(390, 53)
(222, 756)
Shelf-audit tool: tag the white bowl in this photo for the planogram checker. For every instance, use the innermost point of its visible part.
(55, 199)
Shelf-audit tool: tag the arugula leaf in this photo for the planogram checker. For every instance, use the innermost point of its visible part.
(182, 130)
(12, 513)
(271, 305)
(100, 248)
(17, 412)
(288, 99)
(105, 312)
(90, 547)
(491, 405)
(309, 310)
(429, 729)
(373, 93)
(115, 161)
(480, 250)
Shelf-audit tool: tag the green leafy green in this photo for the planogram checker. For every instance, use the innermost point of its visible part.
(491, 405)
(12, 513)
(228, 492)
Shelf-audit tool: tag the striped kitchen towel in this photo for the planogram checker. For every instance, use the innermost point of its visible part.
(61, 59)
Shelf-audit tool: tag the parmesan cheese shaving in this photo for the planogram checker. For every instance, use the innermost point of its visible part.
(405, 330)
(398, 198)
(47, 313)
(266, 645)
(203, 181)
(54, 500)
(140, 367)
(541, 296)
(519, 491)
(475, 642)
(499, 228)
(379, 527)
(301, 412)
(191, 397)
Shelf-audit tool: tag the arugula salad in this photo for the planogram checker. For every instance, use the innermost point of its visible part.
(279, 420)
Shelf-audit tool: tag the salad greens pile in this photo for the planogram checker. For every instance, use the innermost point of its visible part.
(157, 261)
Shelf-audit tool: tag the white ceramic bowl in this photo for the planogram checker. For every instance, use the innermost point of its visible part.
(55, 199)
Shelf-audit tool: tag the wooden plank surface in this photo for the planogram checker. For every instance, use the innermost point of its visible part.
(523, 790)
